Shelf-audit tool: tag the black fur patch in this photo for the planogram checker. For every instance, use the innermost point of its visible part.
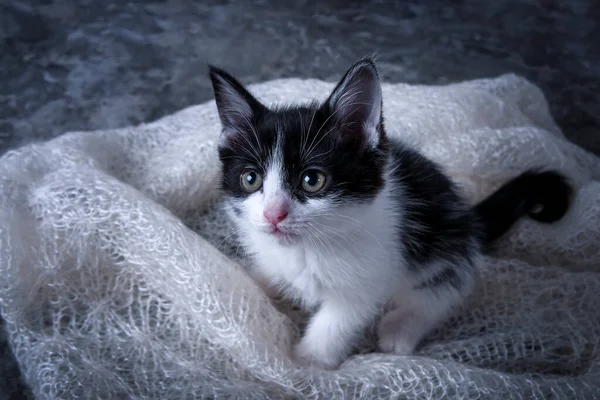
(543, 196)
(442, 278)
(438, 225)
(236, 210)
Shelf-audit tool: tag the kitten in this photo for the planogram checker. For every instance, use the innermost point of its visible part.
(345, 220)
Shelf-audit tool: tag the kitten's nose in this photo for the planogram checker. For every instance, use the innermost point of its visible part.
(275, 214)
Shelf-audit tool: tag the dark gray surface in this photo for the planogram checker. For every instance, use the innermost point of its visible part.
(80, 65)
(90, 64)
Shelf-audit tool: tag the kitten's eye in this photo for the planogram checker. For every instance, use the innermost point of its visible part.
(251, 181)
(313, 181)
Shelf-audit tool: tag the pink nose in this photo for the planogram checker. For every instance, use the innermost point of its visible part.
(275, 215)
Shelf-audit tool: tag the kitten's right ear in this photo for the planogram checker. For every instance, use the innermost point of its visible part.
(356, 104)
(236, 106)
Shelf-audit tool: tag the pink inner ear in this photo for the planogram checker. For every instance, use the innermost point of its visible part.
(353, 138)
(356, 103)
(226, 134)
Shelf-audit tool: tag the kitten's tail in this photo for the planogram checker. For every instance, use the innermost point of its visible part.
(543, 196)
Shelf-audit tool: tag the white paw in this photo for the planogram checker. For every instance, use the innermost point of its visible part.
(395, 335)
(306, 355)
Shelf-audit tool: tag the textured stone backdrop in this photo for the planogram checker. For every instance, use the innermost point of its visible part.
(89, 64)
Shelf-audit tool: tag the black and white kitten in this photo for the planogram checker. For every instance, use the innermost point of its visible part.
(344, 219)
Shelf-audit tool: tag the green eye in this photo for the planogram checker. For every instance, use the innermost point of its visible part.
(313, 181)
(251, 181)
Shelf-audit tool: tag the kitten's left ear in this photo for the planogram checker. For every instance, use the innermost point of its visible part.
(356, 103)
(236, 106)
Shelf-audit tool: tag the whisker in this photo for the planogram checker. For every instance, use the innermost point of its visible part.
(251, 126)
(308, 131)
(302, 133)
(233, 232)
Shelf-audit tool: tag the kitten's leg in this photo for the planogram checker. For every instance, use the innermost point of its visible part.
(332, 332)
(419, 311)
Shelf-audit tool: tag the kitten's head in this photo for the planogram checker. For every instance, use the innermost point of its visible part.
(294, 172)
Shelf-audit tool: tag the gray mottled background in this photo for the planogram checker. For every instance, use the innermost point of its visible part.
(90, 64)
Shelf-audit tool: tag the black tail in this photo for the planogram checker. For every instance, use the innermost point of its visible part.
(543, 196)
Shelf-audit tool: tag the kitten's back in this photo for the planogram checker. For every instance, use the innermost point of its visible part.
(438, 224)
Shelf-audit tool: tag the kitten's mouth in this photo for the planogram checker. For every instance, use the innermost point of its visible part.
(282, 234)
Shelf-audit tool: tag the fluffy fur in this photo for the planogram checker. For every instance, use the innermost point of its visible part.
(385, 226)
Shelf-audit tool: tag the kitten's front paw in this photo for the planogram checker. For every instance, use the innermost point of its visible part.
(306, 355)
(395, 335)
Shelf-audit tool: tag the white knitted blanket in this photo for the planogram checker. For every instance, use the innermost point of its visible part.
(119, 277)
